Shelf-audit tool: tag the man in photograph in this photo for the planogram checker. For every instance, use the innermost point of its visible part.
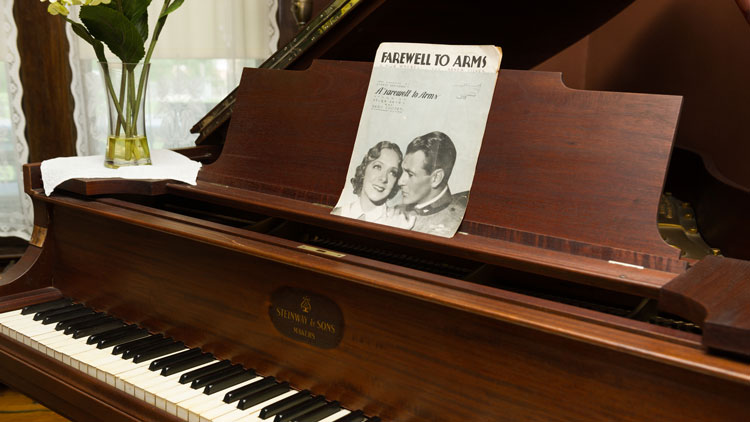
(427, 166)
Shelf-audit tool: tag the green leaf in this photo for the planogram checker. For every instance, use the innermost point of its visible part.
(172, 7)
(137, 12)
(81, 31)
(115, 30)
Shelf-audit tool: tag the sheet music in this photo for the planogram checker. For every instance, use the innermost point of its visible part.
(423, 101)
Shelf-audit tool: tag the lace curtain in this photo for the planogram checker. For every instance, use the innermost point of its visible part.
(198, 60)
(15, 205)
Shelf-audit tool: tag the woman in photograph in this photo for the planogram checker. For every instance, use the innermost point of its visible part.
(374, 182)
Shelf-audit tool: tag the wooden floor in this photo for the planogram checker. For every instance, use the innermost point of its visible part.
(15, 407)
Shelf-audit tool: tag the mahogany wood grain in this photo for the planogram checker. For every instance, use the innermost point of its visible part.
(45, 75)
(579, 269)
(714, 292)
(33, 271)
(594, 160)
(29, 297)
(405, 355)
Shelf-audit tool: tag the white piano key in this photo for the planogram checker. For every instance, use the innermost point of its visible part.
(213, 402)
(336, 416)
(9, 314)
(153, 388)
(252, 414)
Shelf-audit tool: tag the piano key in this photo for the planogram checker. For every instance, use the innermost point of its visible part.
(356, 416)
(101, 327)
(152, 338)
(160, 363)
(63, 316)
(285, 404)
(300, 409)
(97, 319)
(204, 380)
(229, 381)
(95, 338)
(43, 314)
(62, 325)
(127, 372)
(336, 416)
(163, 392)
(187, 364)
(260, 395)
(164, 342)
(125, 337)
(157, 352)
(239, 393)
(249, 415)
(216, 376)
(192, 375)
(319, 413)
(202, 403)
(44, 306)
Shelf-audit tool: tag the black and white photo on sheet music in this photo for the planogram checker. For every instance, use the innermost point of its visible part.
(419, 136)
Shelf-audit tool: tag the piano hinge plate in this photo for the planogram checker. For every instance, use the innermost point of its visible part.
(322, 251)
(38, 236)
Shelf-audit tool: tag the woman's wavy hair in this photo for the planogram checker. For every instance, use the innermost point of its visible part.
(372, 155)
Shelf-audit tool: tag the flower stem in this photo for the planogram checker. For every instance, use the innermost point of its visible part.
(111, 89)
(120, 100)
(154, 37)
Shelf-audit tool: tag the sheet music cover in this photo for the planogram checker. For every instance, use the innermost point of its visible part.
(419, 136)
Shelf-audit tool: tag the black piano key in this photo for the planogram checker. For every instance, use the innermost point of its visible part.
(263, 395)
(51, 319)
(120, 348)
(45, 306)
(104, 326)
(129, 353)
(373, 419)
(283, 404)
(111, 333)
(157, 352)
(357, 416)
(319, 413)
(300, 409)
(43, 314)
(122, 338)
(160, 363)
(186, 364)
(193, 375)
(249, 389)
(62, 325)
(70, 329)
(229, 381)
(204, 380)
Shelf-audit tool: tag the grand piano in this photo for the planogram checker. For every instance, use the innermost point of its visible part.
(551, 303)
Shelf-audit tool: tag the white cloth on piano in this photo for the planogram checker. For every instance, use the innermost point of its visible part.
(166, 164)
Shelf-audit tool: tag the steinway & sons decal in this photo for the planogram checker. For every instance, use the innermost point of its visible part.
(307, 317)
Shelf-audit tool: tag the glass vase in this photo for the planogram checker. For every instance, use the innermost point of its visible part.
(127, 144)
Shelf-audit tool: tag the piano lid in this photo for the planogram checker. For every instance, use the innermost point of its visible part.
(528, 31)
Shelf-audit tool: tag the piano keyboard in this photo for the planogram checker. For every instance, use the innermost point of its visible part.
(187, 383)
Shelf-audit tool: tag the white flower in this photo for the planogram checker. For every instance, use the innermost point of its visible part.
(60, 7)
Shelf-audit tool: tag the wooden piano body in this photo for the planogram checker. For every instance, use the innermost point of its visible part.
(534, 311)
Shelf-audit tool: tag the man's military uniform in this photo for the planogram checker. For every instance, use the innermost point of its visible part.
(443, 216)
